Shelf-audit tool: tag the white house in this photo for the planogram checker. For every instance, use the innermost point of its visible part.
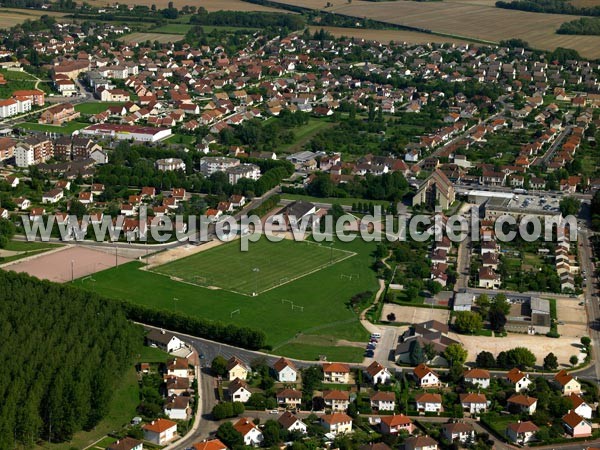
(160, 431)
(126, 443)
(420, 443)
(290, 422)
(383, 401)
(580, 406)
(474, 403)
(524, 403)
(238, 391)
(378, 374)
(177, 407)
(336, 400)
(286, 370)
(52, 196)
(478, 377)
(425, 376)
(428, 402)
(521, 432)
(518, 379)
(459, 431)
(178, 367)
(163, 340)
(290, 398)
(250, 432)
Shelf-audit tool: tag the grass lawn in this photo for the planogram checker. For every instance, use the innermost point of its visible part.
(67, 128)
(22, 246)
(323, 294)
(95, 107)
(304, 134)
(277, 263)
(346, 201)
(173, 28)
(151, 355)
(312, 352)
(179, 138)
(16, 81)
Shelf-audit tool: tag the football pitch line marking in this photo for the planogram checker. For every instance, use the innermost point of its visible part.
(349, 254)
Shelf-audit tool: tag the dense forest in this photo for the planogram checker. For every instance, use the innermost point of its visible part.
(62, 350)
(583, 26)
(550, 7)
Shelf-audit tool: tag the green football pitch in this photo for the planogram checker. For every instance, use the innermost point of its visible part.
(266, 265)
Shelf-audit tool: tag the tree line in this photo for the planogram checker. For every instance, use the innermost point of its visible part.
(248, 19)
(62, 351)
(549, 7)
(582, 26)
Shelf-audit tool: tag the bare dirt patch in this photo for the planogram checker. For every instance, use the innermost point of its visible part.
(56, 266)
(163, 38)
(572, 318)
(414, 314)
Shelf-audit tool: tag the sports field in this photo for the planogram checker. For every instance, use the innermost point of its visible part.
(264, 266)
(318, 317)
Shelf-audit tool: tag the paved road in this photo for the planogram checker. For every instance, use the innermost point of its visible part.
(554, 146)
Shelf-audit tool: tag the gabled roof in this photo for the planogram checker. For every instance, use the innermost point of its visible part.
(473, 397)
(522, 400)
(236, 385)
(576, 400)
(335, 418)
(244, 426)
(523, 427)
(213, 444)
(289, 393)
(383, 396)
(287, 419)
(420, 441)
(477, 373)
(159, 425)
(126, 443)
(235, 361)
(281, 363)
(572, 419)
(336, 367)
(563, 378)
(374, 368)
(395, 420)
(428, 398)
(422, 370)
(515, 375)
(458, 427)
(336, 395)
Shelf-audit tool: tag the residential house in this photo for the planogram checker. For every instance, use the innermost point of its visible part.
(160, 431)
(177, 407)
(289, 398)
(378, 374)
(383, 401)
(238, 391)
(212, 444)
(52, 196)
(478, 377)
(285, 370)
(474, 403)
(291, 423)
(337, 423)
(518, 379)
(178, 367)
(522, 403)
(458, 432)
(336, 400)
(420, 443)
(428, 402)
(165, 341)
(126, 443)
(336, 373)
(251, 433)
(395, 424)
(576, 426)
(59, 114)
(521, 432)
(580, 406)
(425, 376)
(566, 383)
(237, 369)
(488, 279)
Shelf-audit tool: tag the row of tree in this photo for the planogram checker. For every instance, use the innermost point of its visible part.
(550, 7)
(583, 26)
(251, 19)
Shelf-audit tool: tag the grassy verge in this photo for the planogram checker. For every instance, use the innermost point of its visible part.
(95, 107)
(67, 128)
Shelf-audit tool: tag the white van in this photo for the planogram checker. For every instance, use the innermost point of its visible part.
(376, 335)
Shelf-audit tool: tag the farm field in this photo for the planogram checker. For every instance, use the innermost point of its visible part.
(152, 36)
(9, 17)
(467, 21)
(264, 266)
(322, 294)
(210, 5)
(412, 37)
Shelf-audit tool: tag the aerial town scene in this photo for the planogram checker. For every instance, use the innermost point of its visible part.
(299, 224)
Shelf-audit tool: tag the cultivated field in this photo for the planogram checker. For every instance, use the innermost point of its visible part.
(210, 5)
(478, 20)
(411, 37)
(264, 266)
(10, 17)
(66, 263)
(163, 38)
